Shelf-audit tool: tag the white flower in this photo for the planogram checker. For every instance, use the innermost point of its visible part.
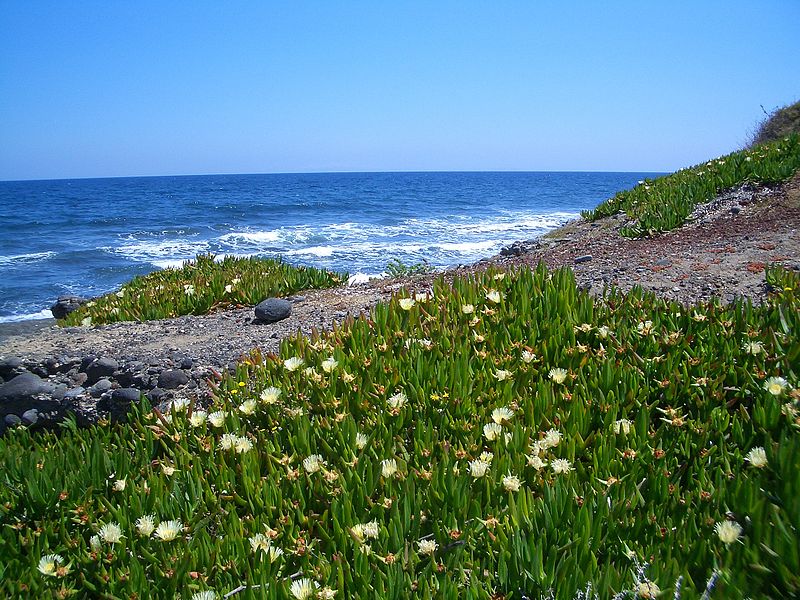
(494, 296)
(644, 328)
(243, 445)
(478, 468)
(467, 309)
(119, 485)
(551, 439)
(361, 440)
(313, 463)
(274, 553)
(603, 331)
(528, 356)
(422, 297)
(388, 467)
(486, 457)
(757, 457)
(270, 395)
(499, 415)
(248, 407)
(217, 418)
(48, 564)
(206, 595)
(259, 542)
(753, 347)
(427, 547)
(511, 483)
(536, 462)
(228, 289)
(188, 289)
(168, 469)
(94, 543)
(502, 374)
(372, 530)
(776, 385)
(329, 364)
(358, 532)
(326, 593)
(728, 531)
(146, 525)
(397, 401)
(293, 363)
(622, 425)
(168, 530)
(491, 431)
(499, 276)
(227, 441)
(407, 303)
(198, 418)
(180, 404)
(558, 375)
(304, 588)
(111, 533)
(561, 465)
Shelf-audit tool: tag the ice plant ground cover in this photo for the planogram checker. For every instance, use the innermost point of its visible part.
(665, 203)
(200, 286)
(371, 475)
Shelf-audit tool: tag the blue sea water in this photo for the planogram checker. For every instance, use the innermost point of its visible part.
(88, 236)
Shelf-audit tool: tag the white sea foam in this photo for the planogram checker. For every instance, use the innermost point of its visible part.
(42, 314)
(468, 246)
(362, 278)
(25, 258)
(171, 251)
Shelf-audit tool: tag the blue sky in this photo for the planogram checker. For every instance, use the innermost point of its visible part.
(149, 88)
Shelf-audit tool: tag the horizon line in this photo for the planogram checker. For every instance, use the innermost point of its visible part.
(343, 172)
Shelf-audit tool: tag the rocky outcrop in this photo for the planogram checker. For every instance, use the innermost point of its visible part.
(67, 304)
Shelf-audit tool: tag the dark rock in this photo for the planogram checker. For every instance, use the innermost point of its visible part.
(67, 304)
(86, 361)
(157, 395)
(100, 388)
(12, 420)
(23, 387)
(735, 210)
(29, 417)
(74, 393)
(8, 366)
(121, 401)
(101, 367)
(664, 262)
(273, 310)
(583, 259)
(187, 363)
(172, 379)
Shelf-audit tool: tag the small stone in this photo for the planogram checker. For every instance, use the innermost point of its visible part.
(273, 310)
(12, 420)
(100, 388)
(583, 259)
(67, 304)
(664, 262)
(735, 210)
(157, 395)
(187, 363)
(9, 365)
(172, 379)
(101, 367)
(29, 417)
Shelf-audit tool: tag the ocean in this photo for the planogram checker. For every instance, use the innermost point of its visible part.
(88, 236)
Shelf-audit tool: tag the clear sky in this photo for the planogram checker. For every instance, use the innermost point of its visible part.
(118, 88)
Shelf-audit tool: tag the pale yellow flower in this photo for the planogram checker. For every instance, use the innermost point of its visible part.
(248, 407)
(198, 418)
(48, 564)
(502, 374)
(492, 431)
(407, 303)
(622, 425)
(361, 440)
(304, 588)
(111, 533)
(217, 418)
(227, 441)
(329, 364)
(528, 356)
(757, 457)
(270, 395)
(753, 348)
(467, 309)
(388, 467)
(478, 468)
(776, 385)
(561, 466)
(512, 483)
(243, 445)
(293, 363)
(146, 525)
(494, 296)
(259, 542)
(647, 590)
(397, 401)
(168, 530)
(535, 461)
(313, 463)
(326, 593)
(119, 485)
(551, 439)
(502, 414)
(728, 531)
(427, 547)
(558, 375)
